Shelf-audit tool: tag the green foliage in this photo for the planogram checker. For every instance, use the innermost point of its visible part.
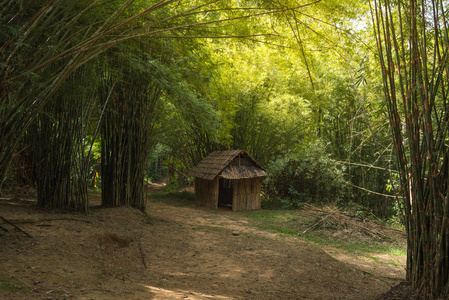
(157, 166)
(257, 100)
(306, 175)
(176, 198)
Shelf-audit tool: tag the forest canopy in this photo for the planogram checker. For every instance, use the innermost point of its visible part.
(135, 83)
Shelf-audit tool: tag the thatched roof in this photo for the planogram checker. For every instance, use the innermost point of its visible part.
(235, 164)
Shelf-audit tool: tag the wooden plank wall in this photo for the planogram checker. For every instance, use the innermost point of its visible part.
(206, 192)
(247, 194)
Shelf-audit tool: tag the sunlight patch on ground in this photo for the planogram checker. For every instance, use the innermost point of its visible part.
(237, 273)
(363, 263)
(160, 293)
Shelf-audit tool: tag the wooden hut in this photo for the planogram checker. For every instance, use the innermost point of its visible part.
(230, 179)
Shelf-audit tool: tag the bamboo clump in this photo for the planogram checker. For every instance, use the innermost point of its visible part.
(125, 136)
(413, 47)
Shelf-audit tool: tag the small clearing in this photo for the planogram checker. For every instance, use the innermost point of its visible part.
(178, 251)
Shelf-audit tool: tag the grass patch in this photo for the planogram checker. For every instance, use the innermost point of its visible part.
(280, 221)
(94, 191)
(269, 217)
(291, 223)
(359, 247)
(368, 248)
(182, 198)
(9, 284)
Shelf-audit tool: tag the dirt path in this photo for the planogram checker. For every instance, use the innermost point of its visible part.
(181, 252)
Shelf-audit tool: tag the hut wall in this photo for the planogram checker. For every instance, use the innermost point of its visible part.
(247, 194)
(206, 192)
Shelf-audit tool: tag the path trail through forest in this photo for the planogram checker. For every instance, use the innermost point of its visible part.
(179, 252)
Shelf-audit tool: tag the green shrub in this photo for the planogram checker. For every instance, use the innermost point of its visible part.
(308, 175)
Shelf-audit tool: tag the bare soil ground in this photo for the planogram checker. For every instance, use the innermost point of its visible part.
(178, 251)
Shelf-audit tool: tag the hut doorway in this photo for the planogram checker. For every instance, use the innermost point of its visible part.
(225, 193)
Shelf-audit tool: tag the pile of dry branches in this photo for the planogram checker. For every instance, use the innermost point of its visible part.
(328, 216)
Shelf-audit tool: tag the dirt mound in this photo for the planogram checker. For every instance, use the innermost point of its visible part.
(177, 252)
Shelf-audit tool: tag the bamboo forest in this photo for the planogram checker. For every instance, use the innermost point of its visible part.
(238, 149)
